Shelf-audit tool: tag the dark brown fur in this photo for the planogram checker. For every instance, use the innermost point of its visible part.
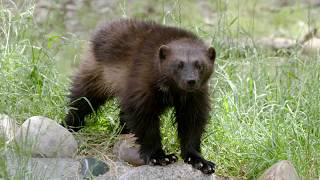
(148, 67)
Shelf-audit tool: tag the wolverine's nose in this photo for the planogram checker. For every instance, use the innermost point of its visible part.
(191, 82)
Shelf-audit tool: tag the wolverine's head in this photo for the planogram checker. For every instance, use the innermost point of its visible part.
(188, 63)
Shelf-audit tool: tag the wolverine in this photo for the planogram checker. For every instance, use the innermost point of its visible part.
(149, 68)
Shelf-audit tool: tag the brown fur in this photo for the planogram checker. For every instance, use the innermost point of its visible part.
(148, 67)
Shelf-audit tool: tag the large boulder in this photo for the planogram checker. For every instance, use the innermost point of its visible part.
(46, 138)
(8, 127)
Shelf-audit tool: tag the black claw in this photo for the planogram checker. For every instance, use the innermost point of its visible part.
(153, 162)
(174, 158)
(198, 165)
(163, 160)
(208, 170)
(201, 164)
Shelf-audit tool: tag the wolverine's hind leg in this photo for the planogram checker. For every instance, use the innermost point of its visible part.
(81, 104)
(87, 94)
(123, 124)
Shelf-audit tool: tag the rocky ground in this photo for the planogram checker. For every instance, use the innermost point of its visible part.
(49, 150)
(40, 147)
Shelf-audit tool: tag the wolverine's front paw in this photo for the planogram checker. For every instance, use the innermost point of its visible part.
(207, 167)
(163, 160)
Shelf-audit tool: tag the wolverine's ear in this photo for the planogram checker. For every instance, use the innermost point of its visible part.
(164, 51)
(211, 54)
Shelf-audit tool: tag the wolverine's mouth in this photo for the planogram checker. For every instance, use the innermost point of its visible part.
(189, 88)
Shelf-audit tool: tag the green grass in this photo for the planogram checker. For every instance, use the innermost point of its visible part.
(264, 103)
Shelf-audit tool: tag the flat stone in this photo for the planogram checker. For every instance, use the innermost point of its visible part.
(282, 170)
(56, 168)
(46, 138)
(22, 167)
(171, 172)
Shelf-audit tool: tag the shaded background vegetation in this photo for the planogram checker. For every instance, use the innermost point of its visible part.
(264, 102)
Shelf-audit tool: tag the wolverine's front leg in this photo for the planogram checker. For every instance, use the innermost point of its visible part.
(142, 118)
(192, 114)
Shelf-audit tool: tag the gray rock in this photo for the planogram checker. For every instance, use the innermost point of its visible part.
(18, 167)
(127, 150)
(55, 168)
(22, 167)
(146, 172)
(8, 127)
(46, 138)
(282, 170)
(312, 47)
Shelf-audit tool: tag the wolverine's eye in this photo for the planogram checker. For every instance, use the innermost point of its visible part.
(197, 65)
(180, 64)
